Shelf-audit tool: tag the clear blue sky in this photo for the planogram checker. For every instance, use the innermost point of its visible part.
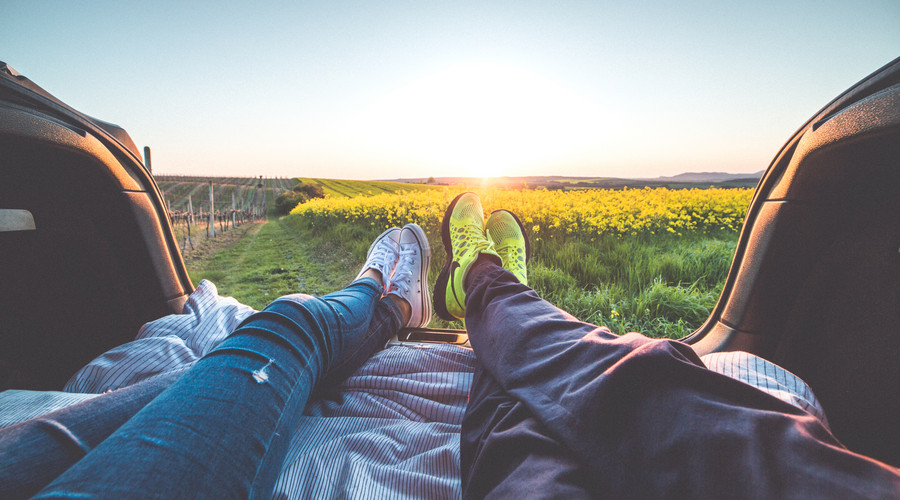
(411, 89)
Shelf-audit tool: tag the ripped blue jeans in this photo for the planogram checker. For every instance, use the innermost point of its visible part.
(222, 429)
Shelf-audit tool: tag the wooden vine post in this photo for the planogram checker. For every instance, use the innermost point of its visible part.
(212, 213)
(190, 221)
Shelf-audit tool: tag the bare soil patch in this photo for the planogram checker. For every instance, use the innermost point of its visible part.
(204, 247)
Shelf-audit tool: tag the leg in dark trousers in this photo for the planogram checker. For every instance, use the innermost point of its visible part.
(503, 447)
(629, 417)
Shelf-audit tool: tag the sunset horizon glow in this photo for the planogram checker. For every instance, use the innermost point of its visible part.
(473, 89)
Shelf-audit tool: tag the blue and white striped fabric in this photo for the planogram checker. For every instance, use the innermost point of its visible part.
(17, 406)
(391, 430)
(768, 377)
(166, 344)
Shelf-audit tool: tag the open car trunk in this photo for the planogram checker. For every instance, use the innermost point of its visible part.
(815, 282)
(87, 253)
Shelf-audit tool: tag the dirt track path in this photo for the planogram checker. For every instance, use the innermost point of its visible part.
(271, 260)
(205, 248)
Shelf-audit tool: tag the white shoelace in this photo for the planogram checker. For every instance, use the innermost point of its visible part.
(382, 259)
(402, 279)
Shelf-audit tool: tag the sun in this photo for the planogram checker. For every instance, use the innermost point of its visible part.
(481, 119)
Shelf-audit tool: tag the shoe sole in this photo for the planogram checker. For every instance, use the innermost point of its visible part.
(521, 228)
(440, 286)
(423, 272)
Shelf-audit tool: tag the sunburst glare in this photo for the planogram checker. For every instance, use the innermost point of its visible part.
(482, 119)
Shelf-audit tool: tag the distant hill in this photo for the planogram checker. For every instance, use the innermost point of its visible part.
(685, 180)
(708, 177)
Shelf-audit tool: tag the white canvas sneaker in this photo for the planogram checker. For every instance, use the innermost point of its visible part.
(410, 280)
(383, 254)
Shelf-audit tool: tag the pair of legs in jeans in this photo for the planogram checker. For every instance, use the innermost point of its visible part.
(558, 407)
(565, 409)
(221, 429)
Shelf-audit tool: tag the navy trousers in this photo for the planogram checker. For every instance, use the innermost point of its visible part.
(561, 408)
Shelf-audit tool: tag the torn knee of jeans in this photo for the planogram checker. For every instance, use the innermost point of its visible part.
(261, 375)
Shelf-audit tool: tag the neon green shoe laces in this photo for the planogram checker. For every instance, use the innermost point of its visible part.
(510, 240)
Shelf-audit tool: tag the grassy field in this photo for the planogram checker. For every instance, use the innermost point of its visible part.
(252, 197)
(350, 189)
(278, 258)
(654, 262)
(283, 256)
(247, 191)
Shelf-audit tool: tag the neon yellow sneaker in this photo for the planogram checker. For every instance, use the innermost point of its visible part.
(462, 232)
(510, 240)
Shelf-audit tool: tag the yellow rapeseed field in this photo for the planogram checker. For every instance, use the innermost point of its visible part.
(552, 214)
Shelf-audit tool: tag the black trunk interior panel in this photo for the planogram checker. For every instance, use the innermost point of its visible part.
(815, 285)
(842, 334)
(82, 281)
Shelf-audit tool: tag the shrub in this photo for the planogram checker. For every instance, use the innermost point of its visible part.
(302, 192)
(311, 190)
(285, 202)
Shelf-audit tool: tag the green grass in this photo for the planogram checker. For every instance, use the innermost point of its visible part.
(278, 260)
(349, 189)
(663, 286)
